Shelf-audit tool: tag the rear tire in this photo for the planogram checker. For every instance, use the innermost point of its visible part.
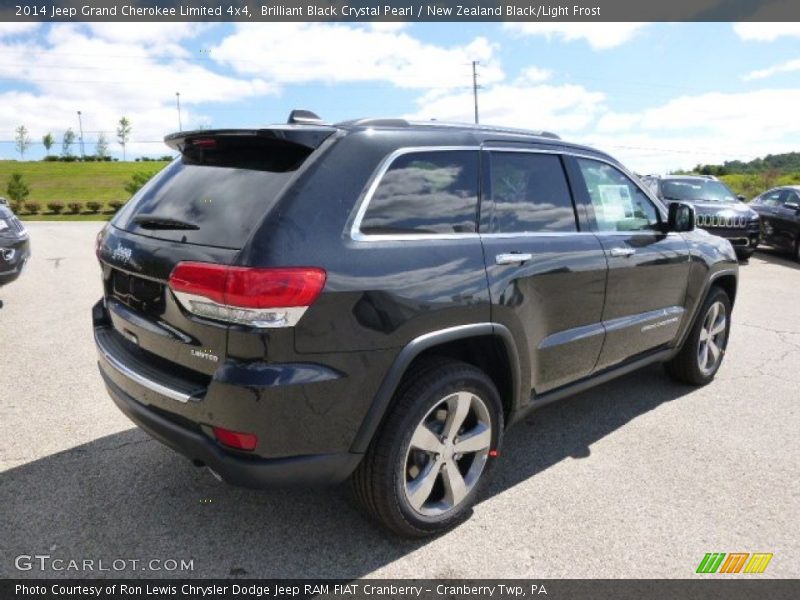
(430, 459)
(702, 353)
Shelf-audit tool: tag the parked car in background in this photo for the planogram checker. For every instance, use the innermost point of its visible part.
(14, 245)
(718, 210)
(779, 209)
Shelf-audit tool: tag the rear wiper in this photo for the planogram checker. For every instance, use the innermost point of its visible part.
(156, 222)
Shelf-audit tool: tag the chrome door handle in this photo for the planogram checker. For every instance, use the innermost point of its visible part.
(622, 252)
(511, 258)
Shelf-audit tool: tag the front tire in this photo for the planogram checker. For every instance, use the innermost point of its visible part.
(432, 455)
(704, 349)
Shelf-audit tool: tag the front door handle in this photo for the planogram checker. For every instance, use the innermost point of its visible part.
(512, 258)
(622, 252)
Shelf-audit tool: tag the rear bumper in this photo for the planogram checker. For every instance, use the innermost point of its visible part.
(322, 469)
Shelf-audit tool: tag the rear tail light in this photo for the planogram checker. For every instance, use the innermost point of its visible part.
(272, 297)
(235, 439)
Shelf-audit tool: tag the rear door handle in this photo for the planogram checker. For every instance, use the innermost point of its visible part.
(511, 258)
(622, 252)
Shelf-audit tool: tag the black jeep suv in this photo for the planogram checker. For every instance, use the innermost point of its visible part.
(14, 245)
(378, 300)
(719, 210)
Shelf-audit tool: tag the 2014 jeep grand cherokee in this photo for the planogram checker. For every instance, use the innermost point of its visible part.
(378, 300)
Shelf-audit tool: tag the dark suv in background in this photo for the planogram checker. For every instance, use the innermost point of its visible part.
(779, 209)
(379, 299)
(718, 210)
(14, 245)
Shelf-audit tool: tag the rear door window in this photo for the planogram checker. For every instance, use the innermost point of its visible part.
(433, 192)
(220, 192)
(530, 194)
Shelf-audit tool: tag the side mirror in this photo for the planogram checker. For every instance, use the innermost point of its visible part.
(741, 198)
(681, 217)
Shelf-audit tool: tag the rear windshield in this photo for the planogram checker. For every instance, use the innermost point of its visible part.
(215, 195)
(700, 190)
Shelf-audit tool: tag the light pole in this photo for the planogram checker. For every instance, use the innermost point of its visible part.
(178, 101)
(80, 128)
(475, 87)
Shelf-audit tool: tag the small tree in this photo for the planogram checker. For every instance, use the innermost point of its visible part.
(101, 149)
(137, 181)
(67, 141)
(124, 134)
(22, 141)
(48, 141)
(17, 189)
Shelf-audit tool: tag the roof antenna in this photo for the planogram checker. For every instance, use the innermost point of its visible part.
(300, 116)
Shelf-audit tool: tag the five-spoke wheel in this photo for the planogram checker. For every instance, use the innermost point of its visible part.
(447, 453)
(700, 357)
(425, 467)
(712, 338)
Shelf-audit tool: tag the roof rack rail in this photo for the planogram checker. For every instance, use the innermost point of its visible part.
(376, 122)
(497, 128)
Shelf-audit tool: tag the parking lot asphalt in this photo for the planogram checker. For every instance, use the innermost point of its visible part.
(637, 478)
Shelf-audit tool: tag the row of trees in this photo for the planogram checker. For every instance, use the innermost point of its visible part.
(22, 140)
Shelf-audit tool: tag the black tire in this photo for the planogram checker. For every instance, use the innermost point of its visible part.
(686, 366)
(744, 255)
(797, 250)
(380, 484)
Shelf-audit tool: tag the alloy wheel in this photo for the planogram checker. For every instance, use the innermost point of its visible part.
(447, 453)
(712, 340)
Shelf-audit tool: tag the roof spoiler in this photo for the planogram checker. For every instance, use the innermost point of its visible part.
(308, 136)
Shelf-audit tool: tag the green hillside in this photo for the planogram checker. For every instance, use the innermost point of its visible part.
(758, 175)
(75, 181)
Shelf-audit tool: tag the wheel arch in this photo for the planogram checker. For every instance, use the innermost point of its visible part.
(488, 346)
(727, 280)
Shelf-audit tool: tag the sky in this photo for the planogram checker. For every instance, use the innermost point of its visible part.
(658, 96)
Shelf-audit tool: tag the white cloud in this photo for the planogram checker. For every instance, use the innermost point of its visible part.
(707, 128)
(704, 128)
(785, 67)
(534, 75)
(290, 53)
(107, 72)
(12, 29)
(558, 108)
(766, 32)
(600, 36)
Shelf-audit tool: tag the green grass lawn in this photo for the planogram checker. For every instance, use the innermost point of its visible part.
(74, 182)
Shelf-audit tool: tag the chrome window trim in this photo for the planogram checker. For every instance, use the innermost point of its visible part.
(523, 234)
(355, 230)
(375, 179)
